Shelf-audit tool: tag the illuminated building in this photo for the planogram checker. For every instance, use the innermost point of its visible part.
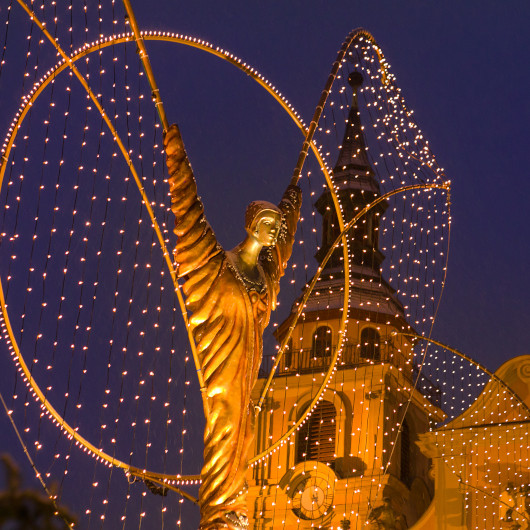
(342, 457)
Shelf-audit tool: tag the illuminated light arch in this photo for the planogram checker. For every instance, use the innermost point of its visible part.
(162, 36)
(307, 293)
(27, 103)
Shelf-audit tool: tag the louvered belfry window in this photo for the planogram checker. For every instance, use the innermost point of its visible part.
(316, 437)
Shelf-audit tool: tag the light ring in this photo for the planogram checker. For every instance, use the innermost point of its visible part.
(7, 331)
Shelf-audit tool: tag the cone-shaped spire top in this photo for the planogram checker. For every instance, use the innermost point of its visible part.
(356, 185)
(353, 169)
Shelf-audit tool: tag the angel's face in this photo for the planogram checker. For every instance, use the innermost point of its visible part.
(267, 229)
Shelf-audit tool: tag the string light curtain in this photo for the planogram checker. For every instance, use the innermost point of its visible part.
(92, 305)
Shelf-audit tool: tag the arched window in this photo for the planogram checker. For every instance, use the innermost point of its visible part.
(326, 229)
(316, 437)
(405, 472)
(370, 344)
(330, 228)
(288, 354)
(322, 342)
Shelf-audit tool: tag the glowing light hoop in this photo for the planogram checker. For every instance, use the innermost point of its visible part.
(5, 324)
(311, 286)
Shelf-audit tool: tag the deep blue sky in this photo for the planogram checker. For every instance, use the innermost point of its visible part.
(463, 68)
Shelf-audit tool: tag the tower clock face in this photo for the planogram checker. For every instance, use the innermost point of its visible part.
(313, 498)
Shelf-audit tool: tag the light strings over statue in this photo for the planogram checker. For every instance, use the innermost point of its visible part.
(229, 295)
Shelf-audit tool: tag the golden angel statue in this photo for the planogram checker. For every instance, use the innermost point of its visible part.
(229, 296)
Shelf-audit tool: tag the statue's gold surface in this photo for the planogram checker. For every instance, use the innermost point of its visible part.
(229, 295)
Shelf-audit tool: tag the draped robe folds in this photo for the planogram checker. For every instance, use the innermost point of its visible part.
(227, 318)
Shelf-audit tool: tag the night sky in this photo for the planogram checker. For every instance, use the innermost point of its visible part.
(462, 67)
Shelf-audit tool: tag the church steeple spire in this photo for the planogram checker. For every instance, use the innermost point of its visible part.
(372, 299)
(373, 368)
(353, 163)
(356, 186)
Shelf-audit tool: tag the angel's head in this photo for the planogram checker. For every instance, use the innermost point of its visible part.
(262, 222)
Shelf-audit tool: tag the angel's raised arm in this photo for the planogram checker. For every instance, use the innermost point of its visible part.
(196, 244)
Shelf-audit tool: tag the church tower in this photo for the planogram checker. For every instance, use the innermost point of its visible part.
(344, 466)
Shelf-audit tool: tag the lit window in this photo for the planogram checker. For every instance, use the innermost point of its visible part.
(288, 353)
(370, 344)
(322, 342)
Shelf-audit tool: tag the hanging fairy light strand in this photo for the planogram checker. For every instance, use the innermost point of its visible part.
(398, 251)
(414, 240)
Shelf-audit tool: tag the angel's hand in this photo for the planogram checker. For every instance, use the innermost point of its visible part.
(173, 142)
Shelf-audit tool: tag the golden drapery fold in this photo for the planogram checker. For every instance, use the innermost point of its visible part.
(227, 317)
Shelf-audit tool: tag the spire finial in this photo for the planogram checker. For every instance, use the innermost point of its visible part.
(355, 79)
